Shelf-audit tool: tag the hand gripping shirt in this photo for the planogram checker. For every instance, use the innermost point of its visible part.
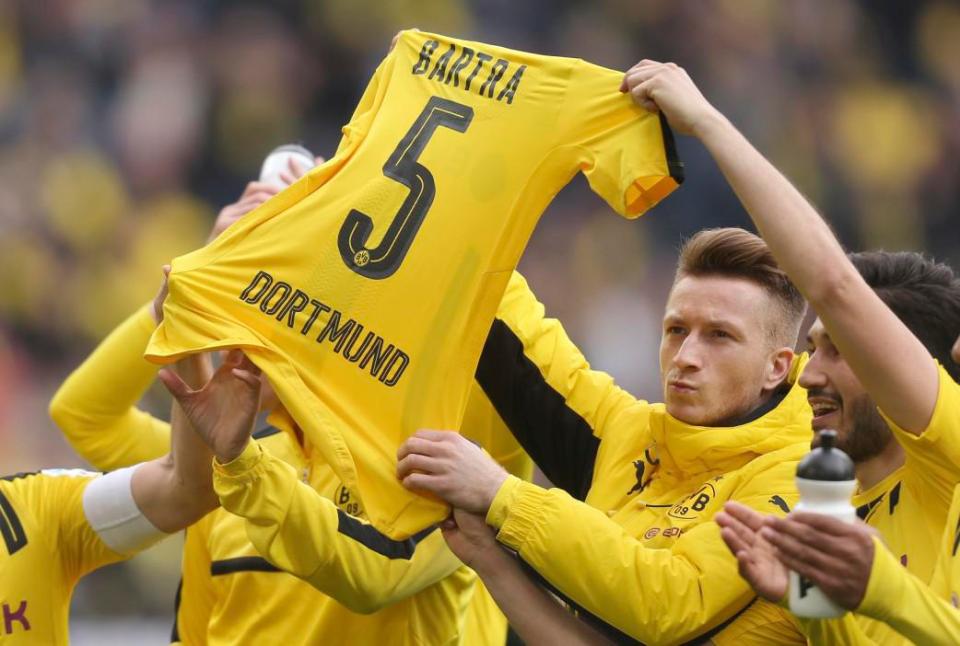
(46, 545)
(365, 290)
(229, 593)
(627, 535)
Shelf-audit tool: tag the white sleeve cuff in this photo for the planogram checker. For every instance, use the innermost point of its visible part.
(113, 514)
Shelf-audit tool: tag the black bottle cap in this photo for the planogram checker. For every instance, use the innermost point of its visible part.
(826, 462)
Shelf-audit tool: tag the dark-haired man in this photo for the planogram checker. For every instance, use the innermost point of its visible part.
(880, 372)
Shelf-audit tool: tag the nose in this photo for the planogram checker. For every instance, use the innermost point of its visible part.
(688, 356)
(813, 375)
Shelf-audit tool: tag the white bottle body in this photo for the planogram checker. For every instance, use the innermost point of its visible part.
(831, 498)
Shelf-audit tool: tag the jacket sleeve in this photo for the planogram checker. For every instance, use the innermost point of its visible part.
(95, 408)
(301, 532)
(903, 602)
(545, 391)
(661, 596)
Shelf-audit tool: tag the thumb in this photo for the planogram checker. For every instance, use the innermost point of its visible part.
(173, 383)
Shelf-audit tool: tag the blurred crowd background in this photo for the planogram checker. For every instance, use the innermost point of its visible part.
(125, 125)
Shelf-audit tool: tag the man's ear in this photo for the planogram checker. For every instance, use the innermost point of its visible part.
(778, 368)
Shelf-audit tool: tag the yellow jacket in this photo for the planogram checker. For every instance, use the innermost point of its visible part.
(627, 534)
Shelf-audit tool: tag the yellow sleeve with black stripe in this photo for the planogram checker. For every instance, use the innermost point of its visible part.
(661, 596)
(935, 453)
(95, 408)
(544, 389)
(301, 532)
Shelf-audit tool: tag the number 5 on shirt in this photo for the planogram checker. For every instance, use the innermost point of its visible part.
(403, 167)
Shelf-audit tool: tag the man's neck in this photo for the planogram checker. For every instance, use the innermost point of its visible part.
(873, 470)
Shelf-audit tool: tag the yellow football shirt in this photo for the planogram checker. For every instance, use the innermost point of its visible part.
(365, 290)
(47, 545)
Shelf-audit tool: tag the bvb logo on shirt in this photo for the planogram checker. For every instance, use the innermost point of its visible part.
(361, 258)
(346, 502)
(691, 506)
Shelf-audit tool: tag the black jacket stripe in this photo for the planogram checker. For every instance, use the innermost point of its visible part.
(559, 440)
(267, 431)
(10, 527)
(175, 633)
(379, 543)
(242, 564)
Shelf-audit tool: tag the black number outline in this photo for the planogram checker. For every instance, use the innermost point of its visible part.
(402, 166)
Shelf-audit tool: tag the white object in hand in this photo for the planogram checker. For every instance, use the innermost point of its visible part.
(825, 479)
(279, 161)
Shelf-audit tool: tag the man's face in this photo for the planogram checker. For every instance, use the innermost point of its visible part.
(839, 402)
(955, 353)
(715, 352)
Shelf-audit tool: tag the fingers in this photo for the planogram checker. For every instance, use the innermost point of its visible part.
(419, 445)
(422, 482)
(264, 190)
(745, 515)
(318, 160)
(822, 523)
(789, 547)
(173, 383)
(734, 542)
(416, 462)
(643, 96)
(247, 377)
(741, 536)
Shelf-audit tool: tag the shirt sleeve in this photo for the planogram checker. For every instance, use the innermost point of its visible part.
(626, 153)
(662, 596)
(301, 532)
(95, 408)
(57, 497)
(934, 455)
(902, 601)
(543, 388)
(482, 424)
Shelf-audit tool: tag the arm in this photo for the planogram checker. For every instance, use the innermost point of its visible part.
(288, 522)
(654, 595)
(95, 408)
(893, 365)
(536, 616)
(545, 391)
(176, 491)
(301, 532)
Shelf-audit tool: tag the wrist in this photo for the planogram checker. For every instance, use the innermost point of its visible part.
(496, 482)
(710, 125)
(230, 453)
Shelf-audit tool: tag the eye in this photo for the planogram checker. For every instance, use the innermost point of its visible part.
(720, 334)
(675, 329)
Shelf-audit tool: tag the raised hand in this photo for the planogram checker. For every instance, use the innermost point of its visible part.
(223, 411)
(757, 559)
(666, 87)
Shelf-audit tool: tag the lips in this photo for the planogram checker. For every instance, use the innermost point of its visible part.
(681, 386)
(825, 411)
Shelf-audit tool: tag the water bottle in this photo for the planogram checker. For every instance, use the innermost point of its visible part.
(826, 481)
(278, 159)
